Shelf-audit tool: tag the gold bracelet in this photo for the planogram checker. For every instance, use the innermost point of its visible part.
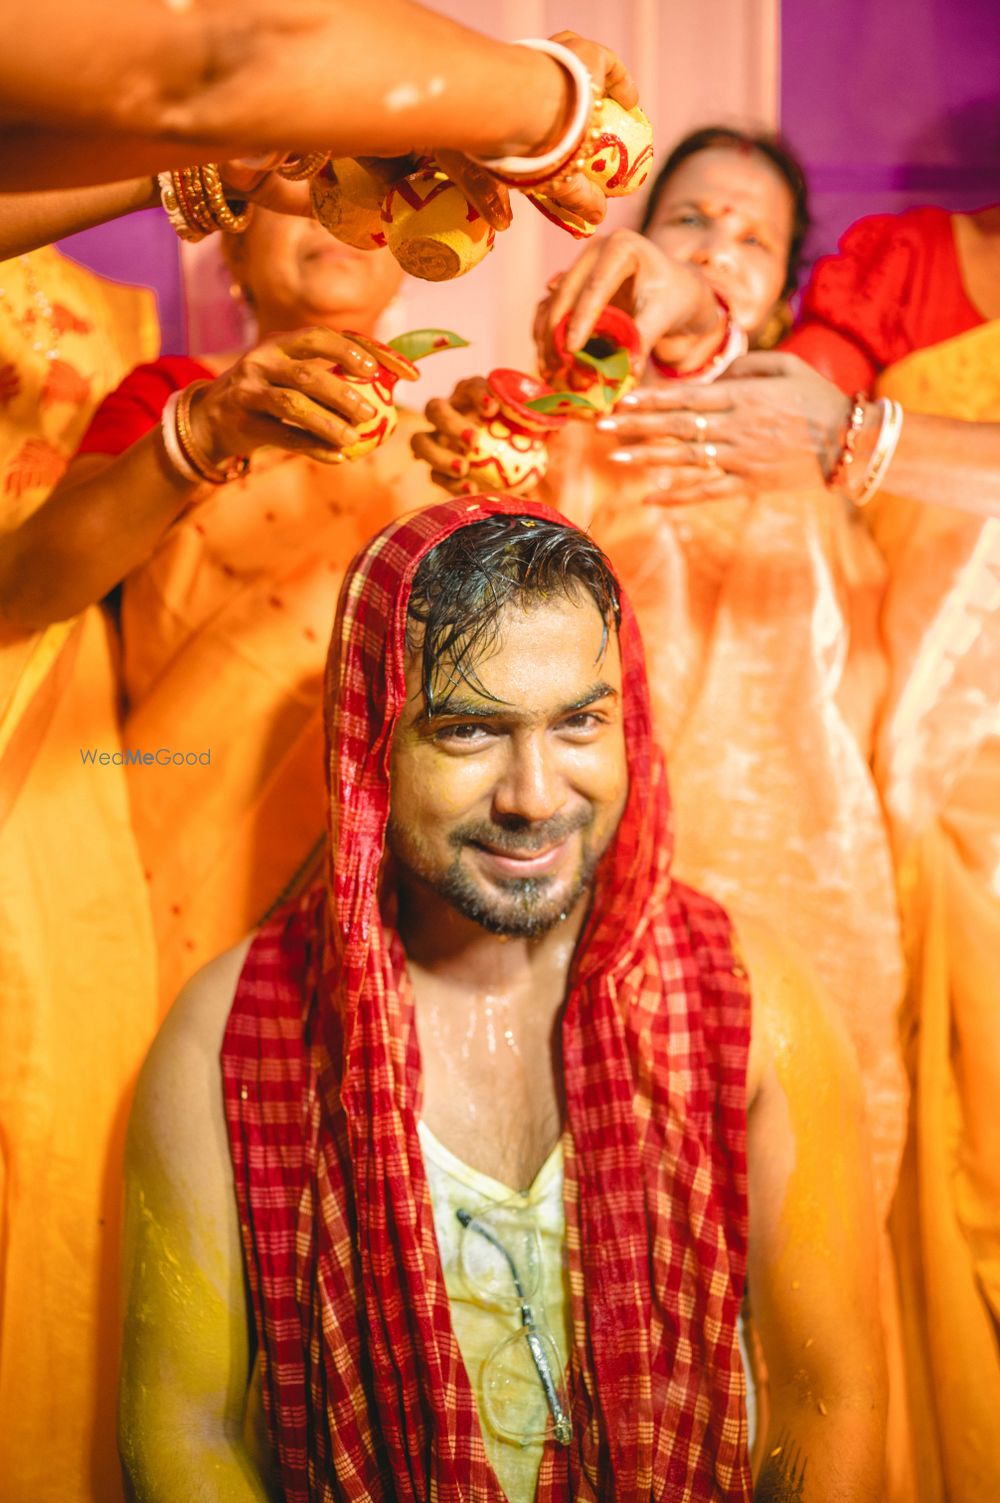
(230, 469)
(845, 458)
(234, 217)
(297, 168)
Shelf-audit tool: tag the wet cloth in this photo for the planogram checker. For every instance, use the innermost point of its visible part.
(479, 1324)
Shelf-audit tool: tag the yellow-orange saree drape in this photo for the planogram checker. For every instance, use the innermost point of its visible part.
(76, 961)
(938, 765)
(225, 631)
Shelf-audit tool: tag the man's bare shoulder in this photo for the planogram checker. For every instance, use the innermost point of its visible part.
(791, 1016)
(182, 1068)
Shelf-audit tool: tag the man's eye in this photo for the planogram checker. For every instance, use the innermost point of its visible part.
(465, 731)
(583, 720)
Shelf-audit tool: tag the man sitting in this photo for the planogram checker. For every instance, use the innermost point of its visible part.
(493, 1149)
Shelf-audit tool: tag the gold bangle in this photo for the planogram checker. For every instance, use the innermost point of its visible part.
(297, 168)
(230, 469)
(192, 195)
(227, 216)
(838, 475)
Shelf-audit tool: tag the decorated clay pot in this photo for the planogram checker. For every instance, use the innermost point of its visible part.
(395, 362)
(620, 158)
(602, 371)
(508, 452)
(432, 229)
(347, 201)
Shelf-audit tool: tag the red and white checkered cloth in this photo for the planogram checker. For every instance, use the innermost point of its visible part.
(365, 1390)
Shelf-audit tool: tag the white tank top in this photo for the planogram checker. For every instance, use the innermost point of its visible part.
(480, 1326)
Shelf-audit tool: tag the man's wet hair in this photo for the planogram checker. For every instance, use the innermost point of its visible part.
(466, 582)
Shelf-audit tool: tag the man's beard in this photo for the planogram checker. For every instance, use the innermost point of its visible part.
(517, 907)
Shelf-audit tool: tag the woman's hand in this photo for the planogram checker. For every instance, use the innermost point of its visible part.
(575, 192)
(454, 421)
(771, 423)
(283, 393)
(628, 271)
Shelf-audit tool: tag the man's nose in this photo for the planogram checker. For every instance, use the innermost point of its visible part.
(531, 787)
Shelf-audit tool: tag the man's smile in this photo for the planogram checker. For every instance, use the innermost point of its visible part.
(526, 863)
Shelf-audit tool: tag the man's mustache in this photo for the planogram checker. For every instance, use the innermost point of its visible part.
(522, 836)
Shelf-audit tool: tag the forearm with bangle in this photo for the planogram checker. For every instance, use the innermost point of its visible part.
(867, 447)
(186, 456)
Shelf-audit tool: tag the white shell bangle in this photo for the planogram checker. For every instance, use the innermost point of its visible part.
(541, 167)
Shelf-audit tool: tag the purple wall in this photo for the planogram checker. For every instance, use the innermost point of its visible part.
(892, 103)
(142, 249)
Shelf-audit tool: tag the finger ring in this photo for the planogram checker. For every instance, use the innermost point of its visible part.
(700, 424)
(711, 454)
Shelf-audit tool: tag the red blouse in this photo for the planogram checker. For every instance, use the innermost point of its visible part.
(134, 407)
(894, 286)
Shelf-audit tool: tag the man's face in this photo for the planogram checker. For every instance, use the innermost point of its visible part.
(504, 805)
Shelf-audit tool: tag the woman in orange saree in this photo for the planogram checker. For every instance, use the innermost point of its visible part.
(224, 626)
(76, 953)
(937, 761)
(910, 307)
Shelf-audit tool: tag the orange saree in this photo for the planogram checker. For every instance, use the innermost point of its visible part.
(76, 957)
(225, 631)
(938, 765)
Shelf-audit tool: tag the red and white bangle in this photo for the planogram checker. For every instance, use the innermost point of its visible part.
(734, 345)
(532, 172)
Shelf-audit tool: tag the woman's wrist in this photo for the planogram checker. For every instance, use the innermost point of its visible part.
(145, 194)
(697, 332)
(212, 456)
(540, 105)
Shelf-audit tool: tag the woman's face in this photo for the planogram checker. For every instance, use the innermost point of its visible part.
(730, 214)
(295, 274)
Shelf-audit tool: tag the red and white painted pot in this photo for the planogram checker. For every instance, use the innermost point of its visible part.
(347, 201)
(604, 370)
(432, 229)
(619, 160)
(394, 364)
(509, 451)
